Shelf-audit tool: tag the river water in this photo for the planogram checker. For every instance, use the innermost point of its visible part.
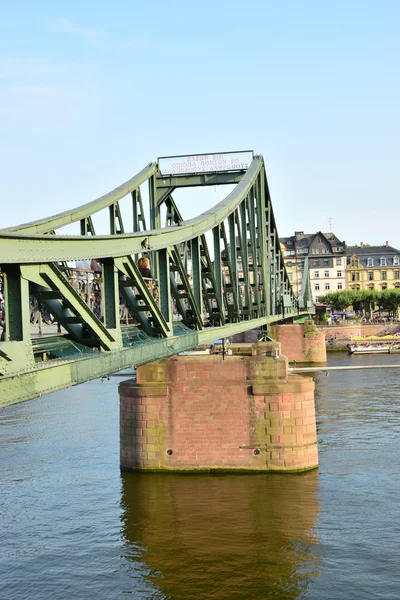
(73, 526)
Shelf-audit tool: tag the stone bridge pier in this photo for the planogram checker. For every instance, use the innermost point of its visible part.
(303, 343)
(203, 413)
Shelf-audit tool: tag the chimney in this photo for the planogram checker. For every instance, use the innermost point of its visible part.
(361, 244)
(387, 243)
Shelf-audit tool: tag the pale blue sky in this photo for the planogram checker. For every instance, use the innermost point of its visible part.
(90, 92)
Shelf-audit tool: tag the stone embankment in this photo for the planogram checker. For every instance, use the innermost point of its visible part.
(338, 336)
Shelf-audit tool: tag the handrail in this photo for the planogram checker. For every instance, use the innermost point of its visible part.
(20, 247)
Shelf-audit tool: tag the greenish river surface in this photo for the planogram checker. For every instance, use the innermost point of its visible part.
(73, 526)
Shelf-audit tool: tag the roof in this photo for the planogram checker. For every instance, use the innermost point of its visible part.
(305, 239)
(371, 250)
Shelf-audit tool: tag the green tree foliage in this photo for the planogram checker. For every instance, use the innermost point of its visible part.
(364, 300)
(338, 300)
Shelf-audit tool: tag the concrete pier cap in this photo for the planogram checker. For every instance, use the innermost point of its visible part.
(206, 413)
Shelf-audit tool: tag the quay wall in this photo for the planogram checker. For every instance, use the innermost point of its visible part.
(346, 332)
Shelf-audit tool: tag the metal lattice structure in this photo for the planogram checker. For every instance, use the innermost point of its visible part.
(238, 280)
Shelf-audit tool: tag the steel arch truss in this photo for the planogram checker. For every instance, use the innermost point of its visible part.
(237, 280)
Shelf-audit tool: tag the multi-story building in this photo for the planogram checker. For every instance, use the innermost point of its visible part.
(326, 261)
(373, 267)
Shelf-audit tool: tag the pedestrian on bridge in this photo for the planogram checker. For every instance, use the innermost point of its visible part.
(144, 268)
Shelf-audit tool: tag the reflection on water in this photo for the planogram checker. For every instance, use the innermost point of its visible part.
(73, 527)
(223, 536)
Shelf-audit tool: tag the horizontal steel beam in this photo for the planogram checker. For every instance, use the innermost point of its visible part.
(55, 375)
(198, 179)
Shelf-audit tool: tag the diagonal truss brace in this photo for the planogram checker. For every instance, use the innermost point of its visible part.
(68, 308)
(142, 302)
(190, 315)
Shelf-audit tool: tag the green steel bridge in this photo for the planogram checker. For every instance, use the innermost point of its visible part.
(232, 251)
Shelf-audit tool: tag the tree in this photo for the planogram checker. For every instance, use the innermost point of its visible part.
(339, 301)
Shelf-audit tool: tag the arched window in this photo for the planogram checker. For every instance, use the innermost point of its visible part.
(396, 261)
(370, 262)
(354, 261)
(383, 261)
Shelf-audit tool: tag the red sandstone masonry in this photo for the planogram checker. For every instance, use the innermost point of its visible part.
(215, 414)
(302, 343)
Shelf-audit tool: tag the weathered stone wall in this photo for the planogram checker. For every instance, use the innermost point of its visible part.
(346, 332)
(248, 337)
(202, 412)
(301, 342)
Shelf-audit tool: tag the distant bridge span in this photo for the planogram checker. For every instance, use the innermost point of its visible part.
(122, 319)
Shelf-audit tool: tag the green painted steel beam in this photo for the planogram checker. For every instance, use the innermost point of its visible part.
(17, 248)
(200, 179)
(52, 376)
(86, 210)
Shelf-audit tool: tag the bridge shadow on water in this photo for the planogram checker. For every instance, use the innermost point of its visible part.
(222, 536)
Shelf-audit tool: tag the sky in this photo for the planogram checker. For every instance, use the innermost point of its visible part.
(91, 92)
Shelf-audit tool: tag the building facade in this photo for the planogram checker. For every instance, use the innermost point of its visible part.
(326, 261)
(372, 267)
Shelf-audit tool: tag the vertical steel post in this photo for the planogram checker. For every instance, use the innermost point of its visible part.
(233, 255)
(268, 243)
(260, 199)
(110, 295)
(245, 255)
(164, 286)
(16, 305)
(196, 275)
(155, 222)
(217, 263)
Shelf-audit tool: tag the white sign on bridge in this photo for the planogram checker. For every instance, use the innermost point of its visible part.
(205, 163)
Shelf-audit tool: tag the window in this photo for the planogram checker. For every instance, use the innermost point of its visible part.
(383, 262)
(316, 287)
(354, 262)
(339, 261)
(317, 299)
(338, 273)
(326, 273)
(371, 286)
(370, 262)
(339, 286)
(370, 275)
(316, 274)
(290, 275)
(397, 274)
(395, 261)
(355, 276)
(383, 276)
(327, 286)
(326, 262)
(384, 286)
(316, 263)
